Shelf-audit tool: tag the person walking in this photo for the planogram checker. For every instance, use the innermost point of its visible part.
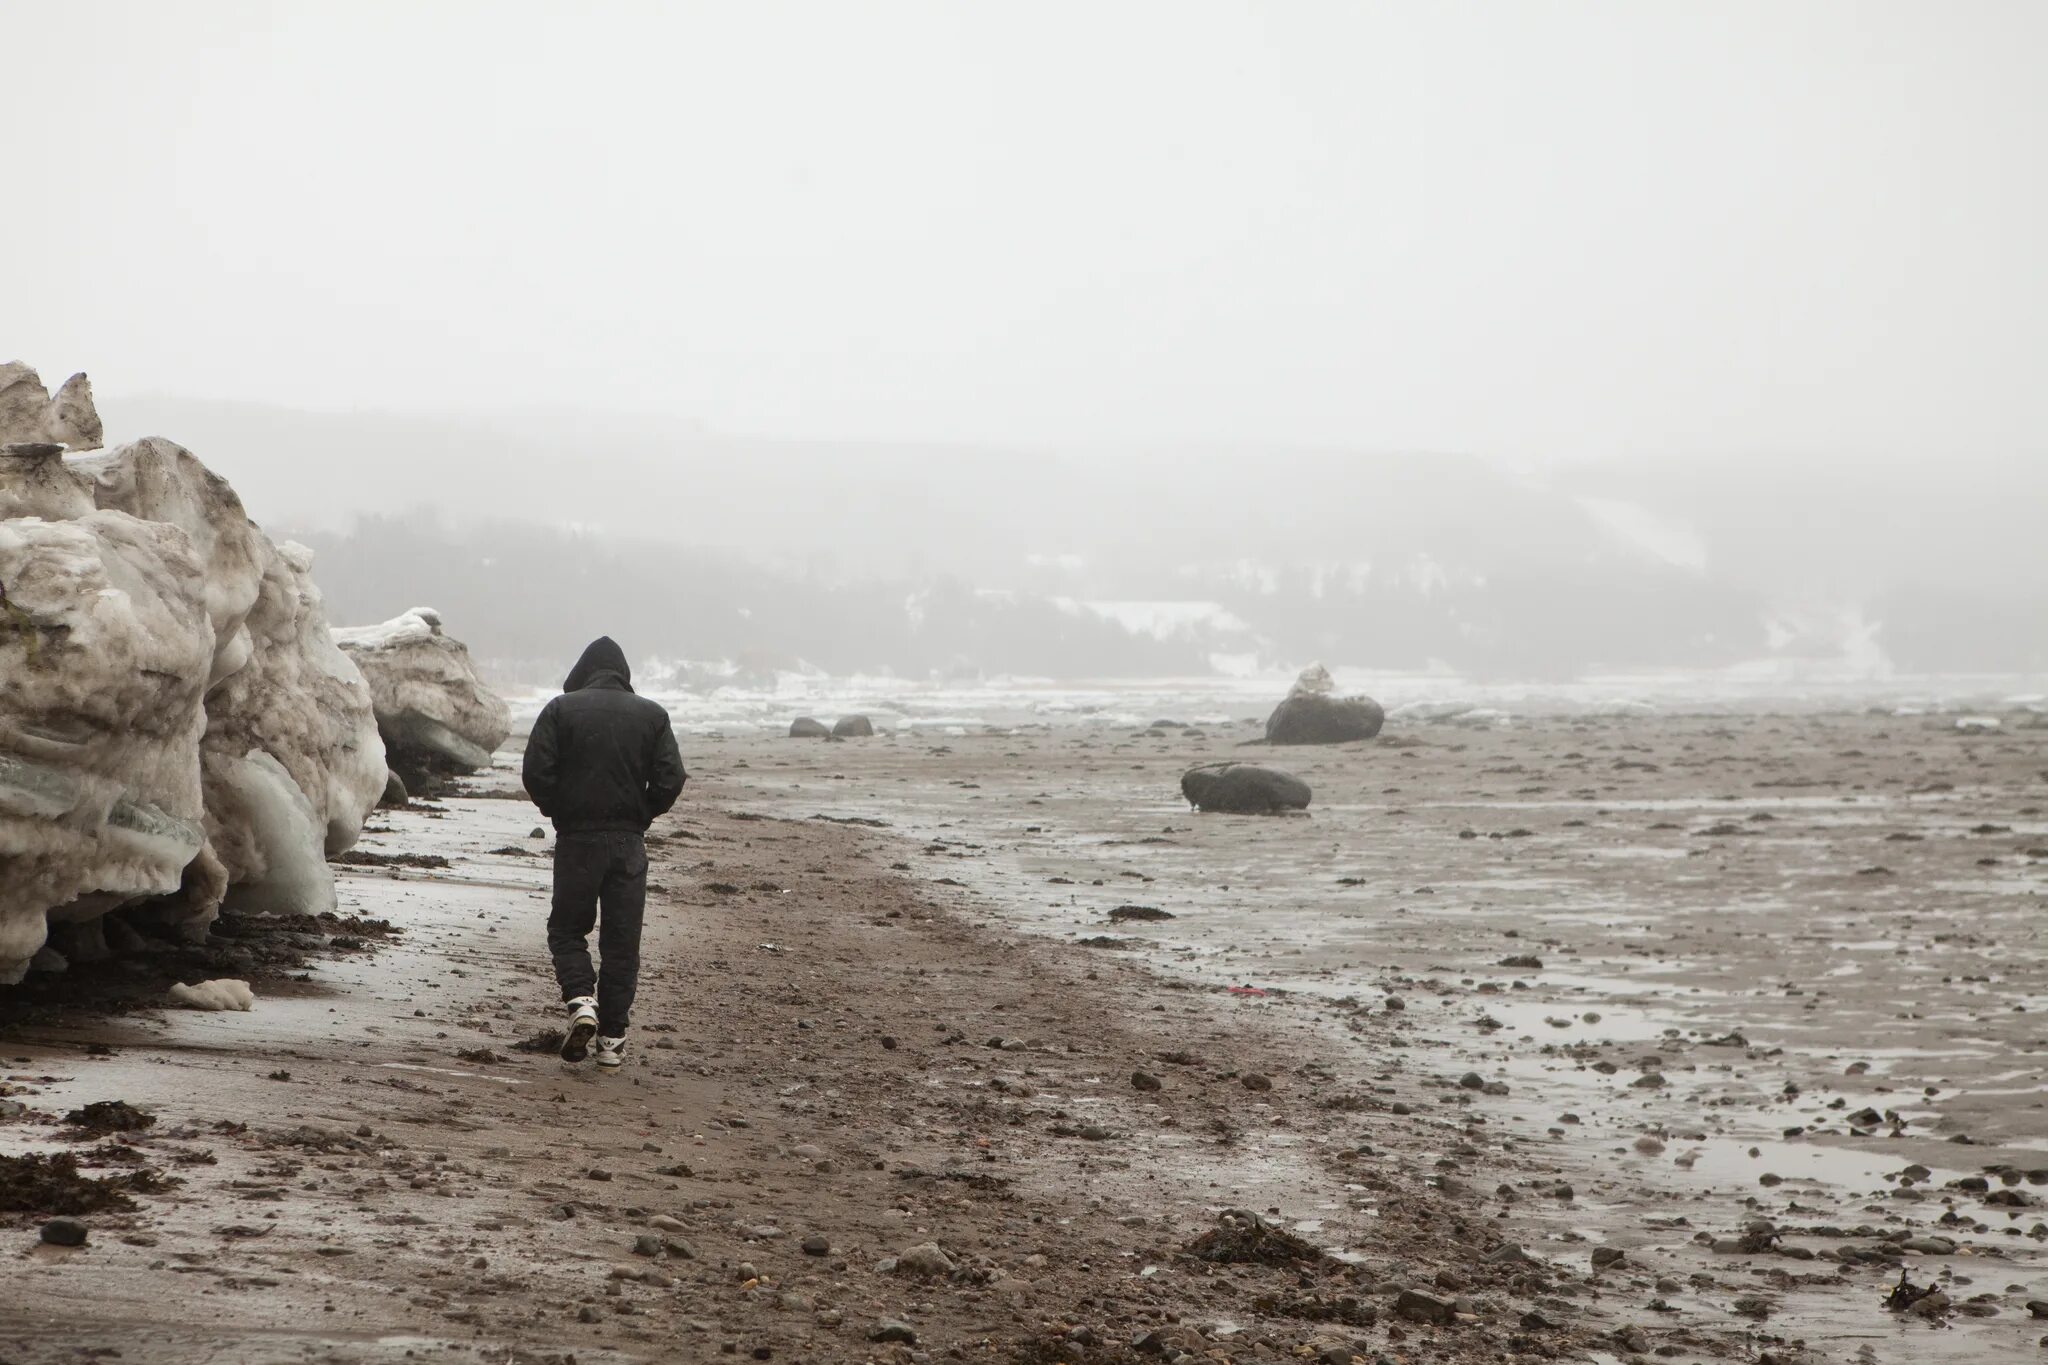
(601, 763)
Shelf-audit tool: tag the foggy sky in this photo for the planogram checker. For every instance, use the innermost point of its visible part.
(1544, 231)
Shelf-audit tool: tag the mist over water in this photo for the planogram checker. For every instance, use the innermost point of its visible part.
(738, 560)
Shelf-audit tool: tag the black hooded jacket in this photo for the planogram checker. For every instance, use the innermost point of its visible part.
(601, 758)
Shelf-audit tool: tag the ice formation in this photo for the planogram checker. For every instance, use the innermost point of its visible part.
(221, 993)
(176, 724)
(28, 415)
(435, 713)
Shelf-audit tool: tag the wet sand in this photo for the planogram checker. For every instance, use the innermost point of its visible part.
(926, 1029)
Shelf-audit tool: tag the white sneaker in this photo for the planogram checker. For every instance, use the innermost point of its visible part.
(611, 1052)
(582, 1028)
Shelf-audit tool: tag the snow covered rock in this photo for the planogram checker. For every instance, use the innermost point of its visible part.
(29, 414)
(435, 713)
(1311, 715)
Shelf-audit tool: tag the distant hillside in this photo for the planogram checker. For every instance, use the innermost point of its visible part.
(534, 531)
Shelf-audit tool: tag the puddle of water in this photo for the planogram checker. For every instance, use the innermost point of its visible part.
(451, 1071)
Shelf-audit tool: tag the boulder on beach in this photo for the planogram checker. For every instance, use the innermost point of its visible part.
(1243, 789)
(436, 715)
(1310, 714)
(806, 727)
(853, 727)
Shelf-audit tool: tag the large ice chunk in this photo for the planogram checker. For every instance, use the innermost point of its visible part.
(29, 414)
(300, 701)
(104, 652)
(176, 722)
(435, 713)
(278, 688)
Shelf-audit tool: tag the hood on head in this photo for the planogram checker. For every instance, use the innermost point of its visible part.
(600, 657)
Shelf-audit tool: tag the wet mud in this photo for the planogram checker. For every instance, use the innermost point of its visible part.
(1576, 1039)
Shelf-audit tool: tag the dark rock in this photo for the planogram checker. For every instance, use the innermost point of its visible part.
(1243, 789)
(1417, 1306)
(64, 1232)
(110, 1116)
(804, 727)
(1124, 914)
(1254, 1081)
(893, 1329)
(817, 1246)
(1310, 715)
(925, 1259)
(853, 727)
(395, 793)
(1142, 1080)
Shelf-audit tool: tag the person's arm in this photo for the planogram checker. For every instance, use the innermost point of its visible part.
(540, 769)
(665, 775)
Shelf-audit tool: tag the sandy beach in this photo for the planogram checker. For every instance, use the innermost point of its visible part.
(1580, 1039)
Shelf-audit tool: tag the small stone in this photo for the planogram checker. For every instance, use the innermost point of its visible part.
(1472, 1080)
(1141, 1080)
(647, 1244)
(1252, 1080)
(894, 1329)
(818, 1246)
(925, 1259)
(64, 1232)
(1419, 1307)
(538, 833)
(1604, 1257)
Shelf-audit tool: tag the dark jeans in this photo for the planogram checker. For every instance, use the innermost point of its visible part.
(611, 869)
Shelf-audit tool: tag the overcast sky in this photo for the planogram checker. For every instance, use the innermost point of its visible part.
(1536, 230)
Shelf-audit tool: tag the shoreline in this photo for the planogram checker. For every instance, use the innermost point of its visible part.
(814, 1047)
